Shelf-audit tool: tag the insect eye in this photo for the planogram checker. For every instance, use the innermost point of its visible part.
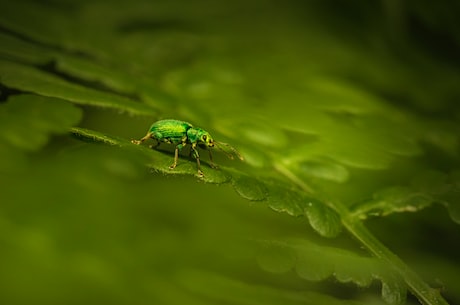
(204, 138)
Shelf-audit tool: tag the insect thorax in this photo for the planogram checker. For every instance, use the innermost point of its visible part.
(195, 135)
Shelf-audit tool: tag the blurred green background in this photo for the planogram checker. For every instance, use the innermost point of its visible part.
(354, 97)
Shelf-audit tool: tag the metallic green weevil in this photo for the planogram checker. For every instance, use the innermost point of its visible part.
(180, 134)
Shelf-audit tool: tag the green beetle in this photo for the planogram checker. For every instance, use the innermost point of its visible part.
(180, 133)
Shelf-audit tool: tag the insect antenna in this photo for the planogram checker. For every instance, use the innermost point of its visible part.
(233, 152)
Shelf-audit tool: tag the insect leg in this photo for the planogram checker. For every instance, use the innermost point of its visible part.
(146, 137)
(176, 155)
(200, 173)
(197, 156)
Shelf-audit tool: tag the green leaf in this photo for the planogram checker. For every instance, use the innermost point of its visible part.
(425, 189)
(39, 117)
(28, 79)
(20, 50)
(197, 282)
(316, 263)
(324, 169)
(282, 199)
(323, 219)
(341, 112)
(249, 188)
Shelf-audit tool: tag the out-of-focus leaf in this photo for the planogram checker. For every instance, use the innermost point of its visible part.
(316, 263)
(28, 121)
(28, 79)
(424, 190)
(198, 283)
(329, 103)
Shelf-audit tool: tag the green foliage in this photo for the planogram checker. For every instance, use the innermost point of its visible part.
(423, 190)
(316, 263)
(344, 121)
(16, 76)
(26, 124)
